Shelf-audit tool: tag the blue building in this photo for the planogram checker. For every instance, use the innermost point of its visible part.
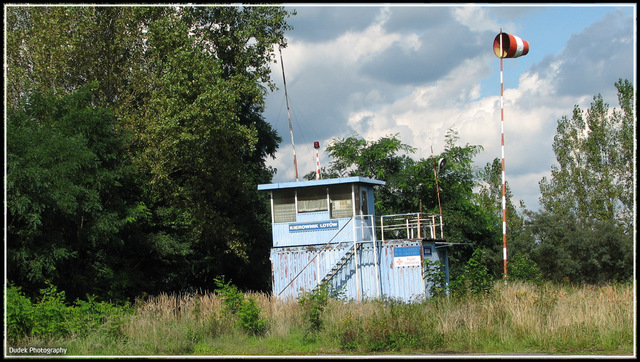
(326, 231)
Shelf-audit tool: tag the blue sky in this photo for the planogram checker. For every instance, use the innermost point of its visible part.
(420, 70)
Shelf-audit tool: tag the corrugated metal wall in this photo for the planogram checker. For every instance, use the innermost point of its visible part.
(299, 269)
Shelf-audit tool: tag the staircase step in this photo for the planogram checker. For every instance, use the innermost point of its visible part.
(343, 260)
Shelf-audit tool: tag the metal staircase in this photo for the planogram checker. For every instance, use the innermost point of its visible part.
(336, 268)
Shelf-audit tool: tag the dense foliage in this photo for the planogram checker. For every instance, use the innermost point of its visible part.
(136, 141)
(585, 229)
(73, 208)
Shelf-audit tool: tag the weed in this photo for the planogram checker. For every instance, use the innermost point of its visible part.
(247, 311)
(313, 304)
(249, 318)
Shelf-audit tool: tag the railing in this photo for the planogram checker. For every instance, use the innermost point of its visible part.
(362, 231)
(411, 226)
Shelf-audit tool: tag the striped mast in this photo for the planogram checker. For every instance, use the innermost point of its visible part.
(316, 145)
(504, 186)
(506, 46)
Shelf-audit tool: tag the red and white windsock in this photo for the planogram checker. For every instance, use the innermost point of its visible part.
(511, 47)
(506, 46)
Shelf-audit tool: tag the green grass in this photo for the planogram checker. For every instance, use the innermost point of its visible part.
(513, 318)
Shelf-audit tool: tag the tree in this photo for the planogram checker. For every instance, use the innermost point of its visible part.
(60, 49)
(586, 224)
(203, 142)
(187, 86)
(594, 169)
(520, 240)
(385, 159)
(410, 185)
(71, 197)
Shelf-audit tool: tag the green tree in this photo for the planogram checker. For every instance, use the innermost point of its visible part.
(354, 156)
(187, 84)
(384, 159)
(71, 196)
(58, 49)
(203, 142)
(586, 224)
(410, 187)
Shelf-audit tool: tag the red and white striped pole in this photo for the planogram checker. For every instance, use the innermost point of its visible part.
(504, 186)
(316, 145)
(506, 46)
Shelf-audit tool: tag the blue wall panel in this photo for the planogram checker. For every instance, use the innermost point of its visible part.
(299, 269)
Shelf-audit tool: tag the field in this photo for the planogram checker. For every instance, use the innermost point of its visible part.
(514, 318)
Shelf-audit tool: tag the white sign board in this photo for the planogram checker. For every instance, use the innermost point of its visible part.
(406, 256)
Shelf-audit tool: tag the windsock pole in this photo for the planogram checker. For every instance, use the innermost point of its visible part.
(504, 187)
(506, 46)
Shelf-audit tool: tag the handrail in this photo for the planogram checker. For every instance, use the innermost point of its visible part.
(411, 225)
(336, 245)
(318, 253)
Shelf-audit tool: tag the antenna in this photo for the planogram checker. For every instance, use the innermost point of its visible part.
(293, 145)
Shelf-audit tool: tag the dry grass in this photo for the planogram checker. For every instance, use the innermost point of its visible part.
(515, 317)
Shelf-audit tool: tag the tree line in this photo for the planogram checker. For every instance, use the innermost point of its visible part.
(584, 230)
(136, 138)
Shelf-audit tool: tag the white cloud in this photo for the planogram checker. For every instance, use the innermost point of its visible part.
(475, 18)
(398, 71)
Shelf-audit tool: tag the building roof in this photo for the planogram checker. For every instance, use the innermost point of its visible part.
(324, 182)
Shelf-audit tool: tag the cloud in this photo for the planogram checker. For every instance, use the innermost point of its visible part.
(593, 60)
(420, 71)
(323, 23)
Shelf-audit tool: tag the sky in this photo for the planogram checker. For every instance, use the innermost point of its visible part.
(418, 71)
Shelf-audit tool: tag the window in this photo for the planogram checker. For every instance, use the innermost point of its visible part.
(284, 206)
(341, 201)
(364, 209)
(312, 199)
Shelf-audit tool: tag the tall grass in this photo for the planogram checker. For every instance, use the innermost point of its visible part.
(514, 317)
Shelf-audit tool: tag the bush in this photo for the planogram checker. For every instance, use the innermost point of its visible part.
(435, 278)
(246, 311)
(90, 315)
(521, 267)
(249, 318)
(313, 304)
(52, 318)
(50, 314)
(231, 297)
(19, 314)
(475, 279)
